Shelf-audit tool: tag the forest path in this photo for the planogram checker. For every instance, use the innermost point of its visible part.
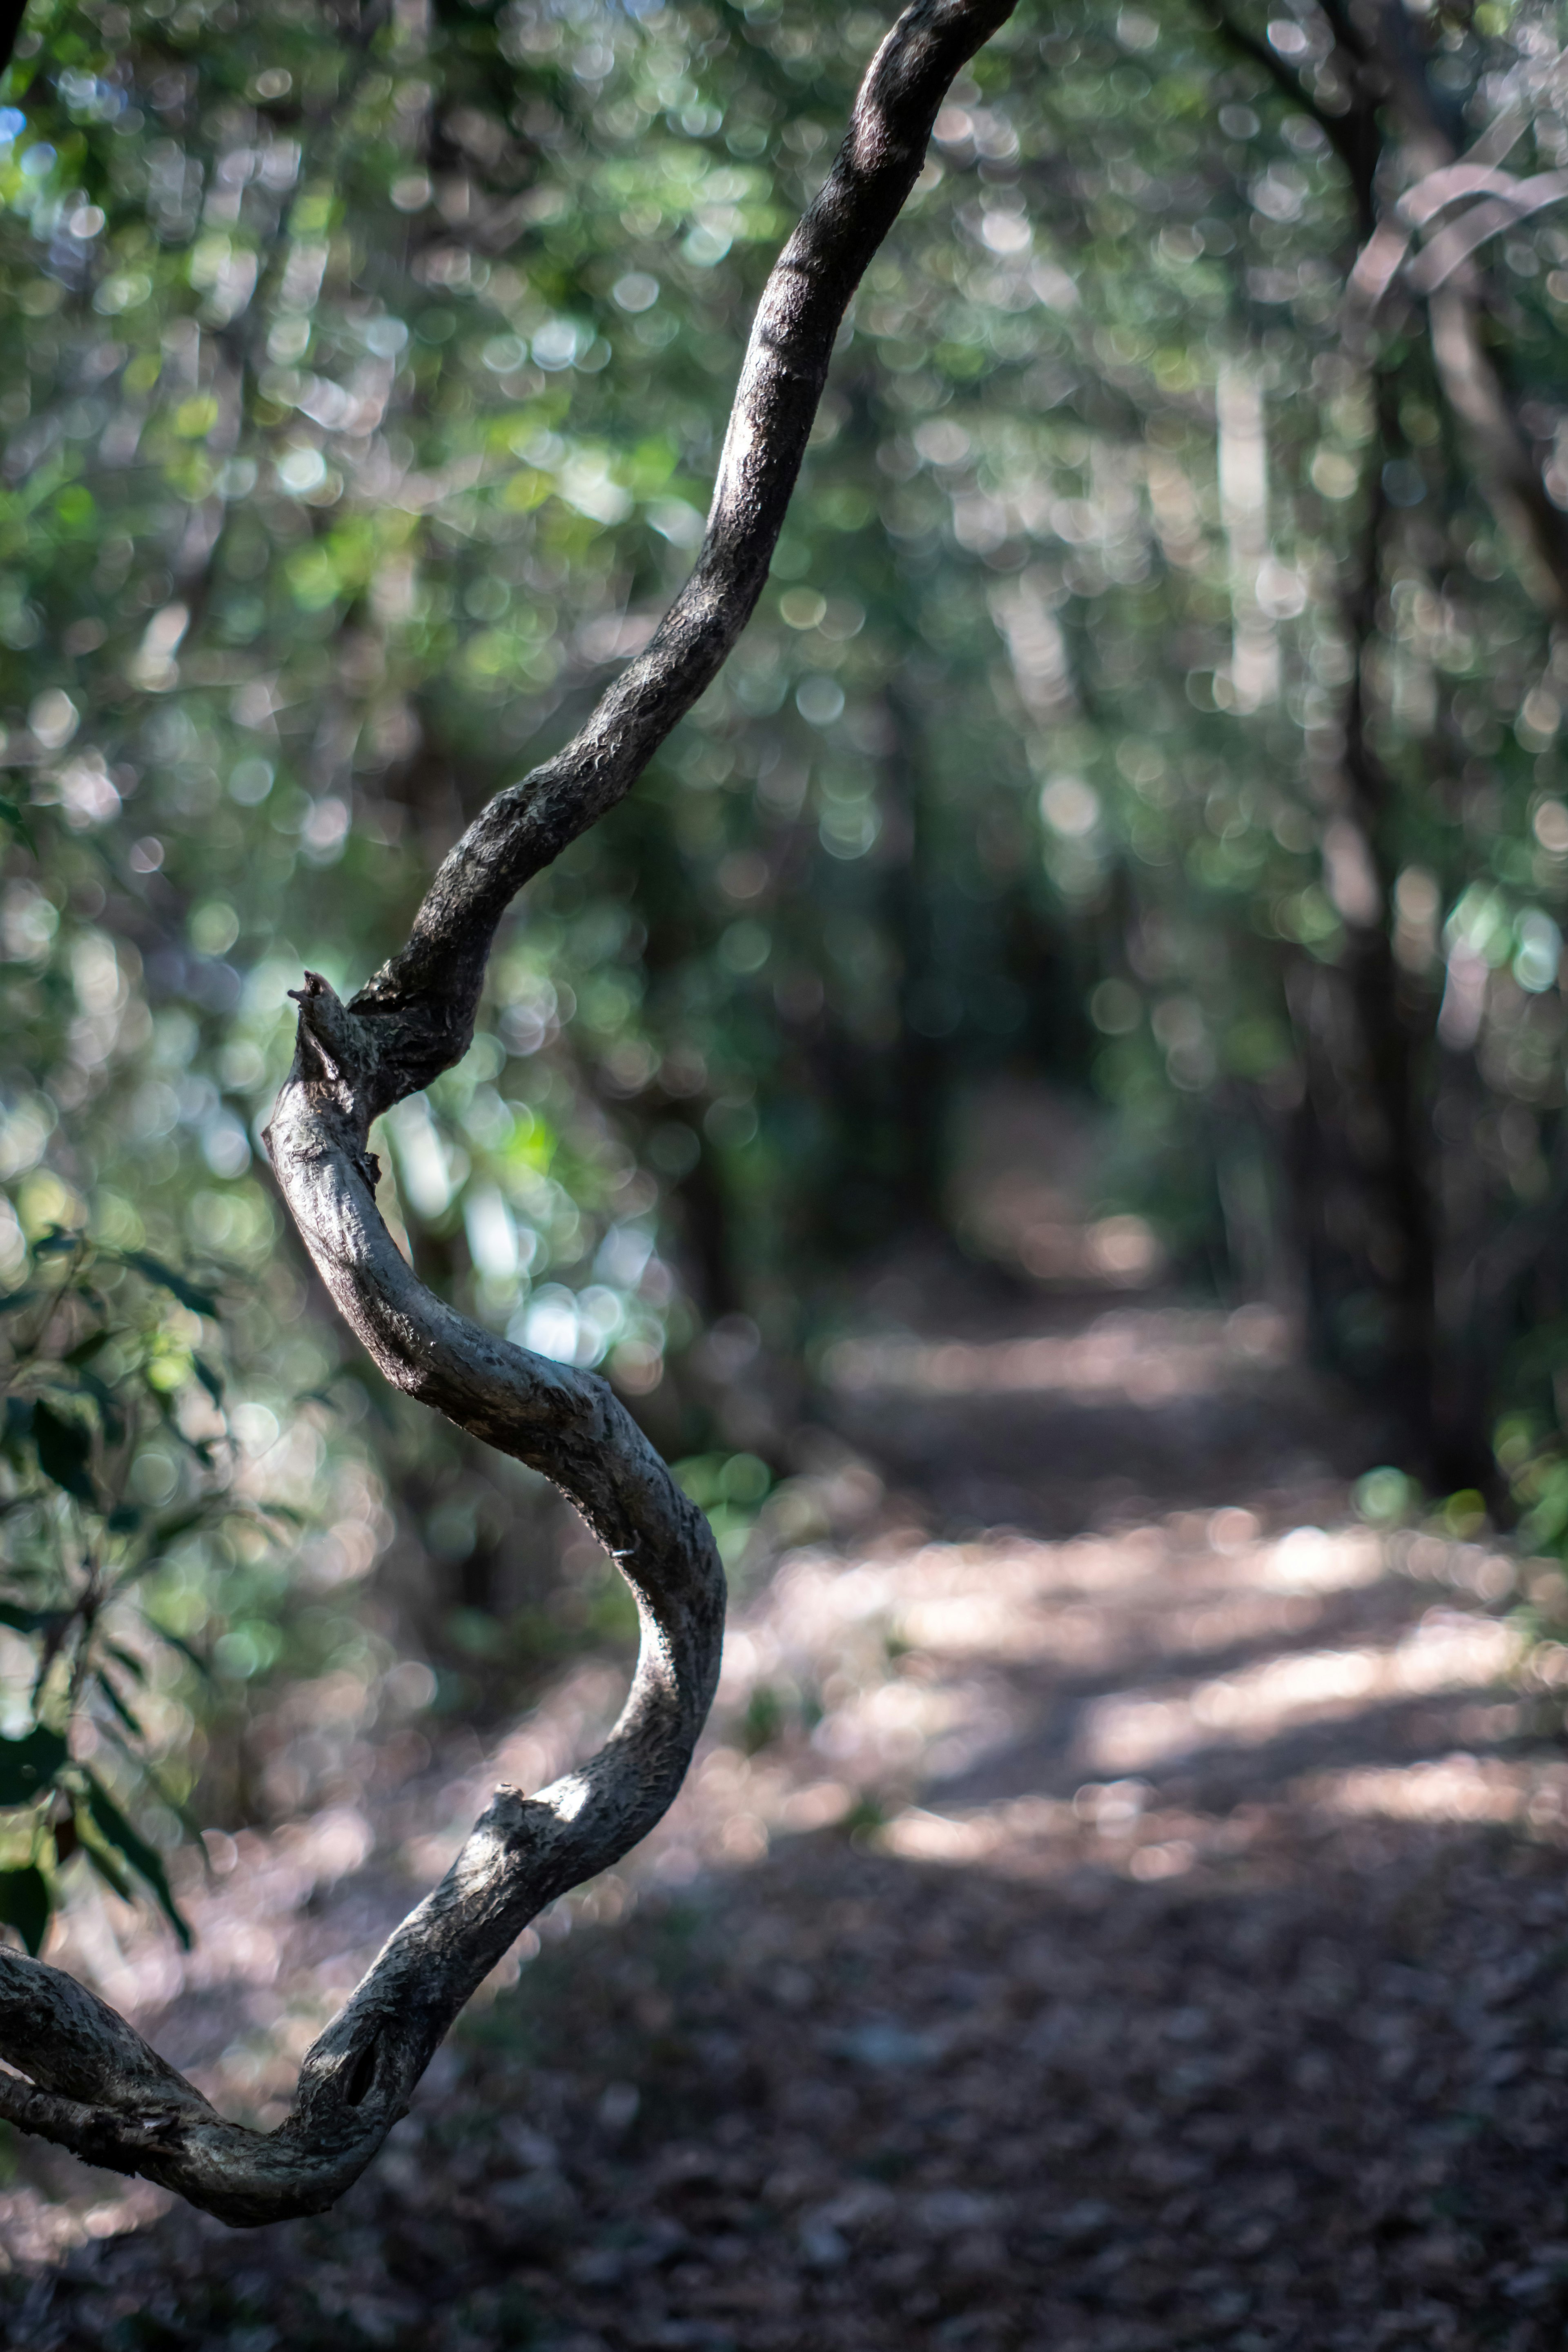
(1119, 1906)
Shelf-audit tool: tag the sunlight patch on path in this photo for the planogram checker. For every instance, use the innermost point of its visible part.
(1141, 1356)
(1457, 1788)
(1446, 1653)
(858, 1683)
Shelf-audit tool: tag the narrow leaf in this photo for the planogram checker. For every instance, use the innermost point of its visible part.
(19, 824)
(24, 1904)
(178, 1641)
(28, 1765)
(15, 1434)
(170, 1421)
(182, 1523)
(65, 1449)
(85, 1350)
(200, 1302)
(104, 1862)
(284, 1511)
(117, 1703)
(144, 1859)
(110, 1411)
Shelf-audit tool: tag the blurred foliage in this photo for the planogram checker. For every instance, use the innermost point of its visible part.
(364, 376)
(116, 1460)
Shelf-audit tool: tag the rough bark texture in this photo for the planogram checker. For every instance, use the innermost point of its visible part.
(93, 2084)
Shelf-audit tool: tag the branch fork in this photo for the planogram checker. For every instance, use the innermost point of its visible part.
(92, 2084)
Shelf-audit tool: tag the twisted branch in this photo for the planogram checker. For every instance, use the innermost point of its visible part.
(92, 2084)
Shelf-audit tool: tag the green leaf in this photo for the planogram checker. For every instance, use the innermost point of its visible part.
(19, 824)
(117, 1703)
(85, 1350)
(109, 1407)
(65, 1449)
(181, 1523)
(169, 1418)
(17, 1432)
(24, 1904)
(104, 1862)
(144, 1859)
(178, 1641)
(200, 1302)
(28, 1765)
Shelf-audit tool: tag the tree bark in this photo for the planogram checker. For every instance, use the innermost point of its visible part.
(92, 2084)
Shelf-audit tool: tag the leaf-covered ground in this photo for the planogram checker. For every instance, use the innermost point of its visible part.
(1120, 1905)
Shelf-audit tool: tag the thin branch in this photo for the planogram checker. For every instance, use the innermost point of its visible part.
(423, 1000)
(1515, 483)
(93, 2084)
(1387, 62)
(1352, 135)
(1286, 79)
(11, 14)
(1512, 475)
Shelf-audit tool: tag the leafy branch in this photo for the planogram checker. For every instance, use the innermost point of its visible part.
(105, 1351)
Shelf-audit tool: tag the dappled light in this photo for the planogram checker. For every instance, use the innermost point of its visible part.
(952, 1788)
(979, 1055)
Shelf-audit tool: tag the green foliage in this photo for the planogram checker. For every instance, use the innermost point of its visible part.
(730, 1489)
(1385, 1497)
(362, 391)
(116, 1458)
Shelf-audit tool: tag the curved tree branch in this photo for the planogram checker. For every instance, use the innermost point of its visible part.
(92, 2084)
(1510, 470)
(11, 14)
(419, 1009)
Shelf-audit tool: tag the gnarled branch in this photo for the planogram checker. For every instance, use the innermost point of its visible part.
(93, 2084)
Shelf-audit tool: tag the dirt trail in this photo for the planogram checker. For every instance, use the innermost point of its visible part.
(1120, 1905)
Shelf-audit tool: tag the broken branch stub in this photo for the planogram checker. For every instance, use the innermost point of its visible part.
(92, 2084)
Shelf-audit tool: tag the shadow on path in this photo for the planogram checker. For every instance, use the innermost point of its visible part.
(1125, 1917)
